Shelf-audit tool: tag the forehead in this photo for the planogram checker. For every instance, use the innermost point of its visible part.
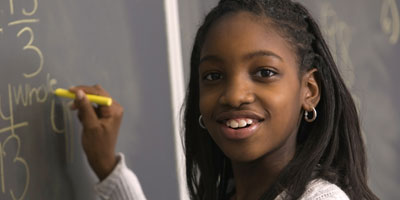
(240, 33)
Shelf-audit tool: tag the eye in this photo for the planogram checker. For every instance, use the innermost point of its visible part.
(265, 73)
(212, 76)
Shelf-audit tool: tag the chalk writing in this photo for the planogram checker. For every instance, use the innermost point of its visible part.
(25, 95)
(11, 7)
(339, 36)
(16, 126)
(390, 20)
(35, 6)
(17, 158)
(67, 123)
(67, 116)
(29, 46)
(23, 21)
(26, 13)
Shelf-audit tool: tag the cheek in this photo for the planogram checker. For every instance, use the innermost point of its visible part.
(202, 105)
(209, 96)
(206, 102)
(284, 108)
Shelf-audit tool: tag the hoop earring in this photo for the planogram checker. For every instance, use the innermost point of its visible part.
(201, 122)
(313, 117)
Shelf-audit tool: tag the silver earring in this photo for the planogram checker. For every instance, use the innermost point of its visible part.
(201, 122)
(314, 116)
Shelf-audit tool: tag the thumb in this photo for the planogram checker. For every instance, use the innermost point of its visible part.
(86, 112)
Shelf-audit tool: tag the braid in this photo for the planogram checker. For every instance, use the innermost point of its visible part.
(332, 142)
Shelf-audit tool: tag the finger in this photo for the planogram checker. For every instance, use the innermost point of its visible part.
(113, 111)
(96, 90)
(101, 111)
(86, 112)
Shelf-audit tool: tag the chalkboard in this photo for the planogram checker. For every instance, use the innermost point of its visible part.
(122, 45)
(364, 37)
(365, 40)
(45, 44)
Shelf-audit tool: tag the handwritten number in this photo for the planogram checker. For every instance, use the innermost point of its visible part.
(25, 164)
(11, 7)
(29, 46)
(17, 159)
(35, 6)
(26, 13)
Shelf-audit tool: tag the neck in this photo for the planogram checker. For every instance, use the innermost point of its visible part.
(252, 179)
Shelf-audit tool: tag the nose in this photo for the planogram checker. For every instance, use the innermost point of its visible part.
(237, 91)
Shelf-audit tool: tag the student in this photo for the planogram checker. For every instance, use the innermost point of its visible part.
(267, 114)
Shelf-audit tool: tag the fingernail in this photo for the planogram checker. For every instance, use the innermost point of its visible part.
(80, 94)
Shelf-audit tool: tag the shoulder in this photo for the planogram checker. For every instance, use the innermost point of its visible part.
(320, 189)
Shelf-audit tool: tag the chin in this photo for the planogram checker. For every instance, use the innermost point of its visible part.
(237, 154)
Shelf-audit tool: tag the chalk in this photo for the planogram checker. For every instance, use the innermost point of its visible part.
(100, 100)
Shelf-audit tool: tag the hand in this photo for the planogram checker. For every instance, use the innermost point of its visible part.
(100, 129)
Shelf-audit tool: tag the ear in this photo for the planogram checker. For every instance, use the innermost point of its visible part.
(311, 91)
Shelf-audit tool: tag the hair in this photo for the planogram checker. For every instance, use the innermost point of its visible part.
(332, 144)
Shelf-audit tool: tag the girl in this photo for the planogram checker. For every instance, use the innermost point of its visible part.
(267, 115)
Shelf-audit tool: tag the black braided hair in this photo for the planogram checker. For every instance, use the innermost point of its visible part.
(332, 144)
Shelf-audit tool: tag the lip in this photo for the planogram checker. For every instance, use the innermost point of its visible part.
(225, 116)
(241, 133)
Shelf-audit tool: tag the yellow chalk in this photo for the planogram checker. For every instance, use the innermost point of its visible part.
(100, 100)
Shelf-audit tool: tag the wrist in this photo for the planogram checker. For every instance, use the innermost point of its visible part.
(104, 167)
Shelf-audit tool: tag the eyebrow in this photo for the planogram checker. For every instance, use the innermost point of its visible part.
(210, 58)
(245, 57)
(261, 53)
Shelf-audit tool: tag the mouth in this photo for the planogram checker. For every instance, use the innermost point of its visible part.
(239, 125)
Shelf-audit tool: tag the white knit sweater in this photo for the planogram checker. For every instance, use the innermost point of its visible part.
(122, 184)
(320, 189)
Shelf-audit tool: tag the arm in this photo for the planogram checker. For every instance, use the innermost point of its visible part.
(99, 137)
(122, 183)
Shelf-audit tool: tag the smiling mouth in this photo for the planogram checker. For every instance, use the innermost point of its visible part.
(239, 128)
(240, 123)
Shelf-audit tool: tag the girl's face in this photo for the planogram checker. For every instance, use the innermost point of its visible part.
(251, 96)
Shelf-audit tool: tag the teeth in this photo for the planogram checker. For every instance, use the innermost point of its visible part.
(238, 123)
(234, 124)
(242, 123)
